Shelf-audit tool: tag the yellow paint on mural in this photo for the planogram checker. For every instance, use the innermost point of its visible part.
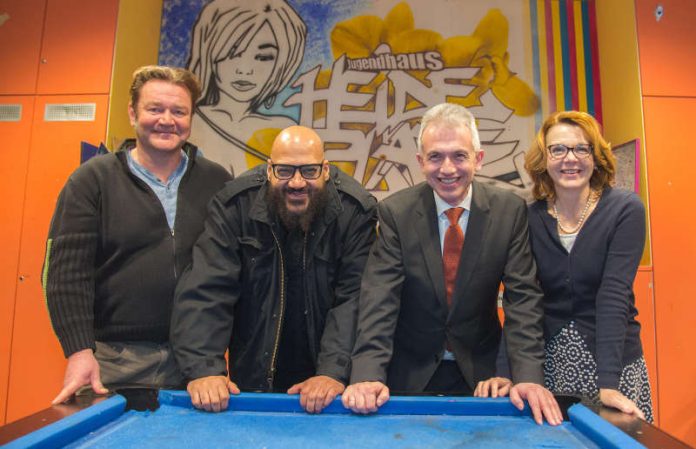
(359, 37)
(137, 44)
(261, 140)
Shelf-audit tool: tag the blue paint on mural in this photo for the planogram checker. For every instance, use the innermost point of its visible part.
(320, 17)
(178, 17)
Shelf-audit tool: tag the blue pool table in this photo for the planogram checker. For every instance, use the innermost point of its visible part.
(256, 420)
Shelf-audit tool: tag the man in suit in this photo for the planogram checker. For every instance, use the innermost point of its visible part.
(428, 307)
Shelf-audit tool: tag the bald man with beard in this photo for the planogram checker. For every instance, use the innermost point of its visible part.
(276, 279)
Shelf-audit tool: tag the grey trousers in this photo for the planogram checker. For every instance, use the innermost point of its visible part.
(138, 364)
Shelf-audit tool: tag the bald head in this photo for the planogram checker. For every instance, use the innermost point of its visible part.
(298, 173)
(298, 143)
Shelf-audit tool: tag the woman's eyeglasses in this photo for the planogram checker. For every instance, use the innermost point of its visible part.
(560, 151)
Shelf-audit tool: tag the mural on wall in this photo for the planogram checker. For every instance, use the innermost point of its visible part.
(361, 73)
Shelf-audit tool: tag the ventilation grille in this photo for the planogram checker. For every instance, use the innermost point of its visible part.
(64, 112)
(10, 112)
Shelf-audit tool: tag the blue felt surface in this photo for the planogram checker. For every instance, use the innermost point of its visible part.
(173, 426)
(491, 424)
(277, 421)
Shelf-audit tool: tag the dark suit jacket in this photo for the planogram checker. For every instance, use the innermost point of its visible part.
(404, 318)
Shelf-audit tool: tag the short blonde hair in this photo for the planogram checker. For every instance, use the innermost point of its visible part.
(536, 159)
(175, 75)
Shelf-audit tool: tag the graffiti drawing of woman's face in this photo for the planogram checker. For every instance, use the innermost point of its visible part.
(242, 76)
(247, 50)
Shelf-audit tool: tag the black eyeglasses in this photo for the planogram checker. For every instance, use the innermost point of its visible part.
(559, 151)
(307, 171)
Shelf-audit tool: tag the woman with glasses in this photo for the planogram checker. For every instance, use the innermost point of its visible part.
(587, 240)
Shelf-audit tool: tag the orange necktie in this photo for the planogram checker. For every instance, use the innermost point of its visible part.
(452, 250)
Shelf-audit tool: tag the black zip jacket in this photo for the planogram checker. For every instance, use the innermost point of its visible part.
(111, 261)
(234, 294)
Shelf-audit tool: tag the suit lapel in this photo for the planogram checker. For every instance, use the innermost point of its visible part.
(474, 238)
(425, 224)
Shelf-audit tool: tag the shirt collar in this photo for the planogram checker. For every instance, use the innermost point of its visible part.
(180, 169)
(441, 205)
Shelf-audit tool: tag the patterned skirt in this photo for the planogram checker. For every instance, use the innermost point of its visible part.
(571, 368)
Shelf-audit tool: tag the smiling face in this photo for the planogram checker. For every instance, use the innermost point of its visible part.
(448, 160)
(297, 197)
(569, 173)
(162, 116)
(242, 76)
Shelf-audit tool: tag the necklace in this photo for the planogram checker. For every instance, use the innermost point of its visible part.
(578, 225)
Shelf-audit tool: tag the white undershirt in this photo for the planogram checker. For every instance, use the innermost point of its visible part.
(568, 240)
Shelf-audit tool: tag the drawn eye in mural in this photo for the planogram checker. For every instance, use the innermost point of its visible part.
(244, 53)
(242, 76)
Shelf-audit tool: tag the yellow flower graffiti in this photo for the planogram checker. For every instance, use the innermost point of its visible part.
(486, 48)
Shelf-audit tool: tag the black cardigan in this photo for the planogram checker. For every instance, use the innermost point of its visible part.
(111, 261)
(593, 285)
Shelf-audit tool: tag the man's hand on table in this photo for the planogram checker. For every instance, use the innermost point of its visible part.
(211, 393)
(82, 369)
(493, 387)
(540, 400)
(317, 392)
(365, 397)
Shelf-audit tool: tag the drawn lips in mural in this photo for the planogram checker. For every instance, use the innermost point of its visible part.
(243, 86)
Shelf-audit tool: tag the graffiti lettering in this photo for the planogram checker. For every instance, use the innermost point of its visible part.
(376, 132)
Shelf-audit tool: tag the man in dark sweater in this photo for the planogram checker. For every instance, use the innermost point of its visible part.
(275, 279)
(120, 236)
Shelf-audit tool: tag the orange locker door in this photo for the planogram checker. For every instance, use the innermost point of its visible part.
(667, 47)
(78, 47)
(37, 363)
(21, 24)
(668, 131)
(16, 134)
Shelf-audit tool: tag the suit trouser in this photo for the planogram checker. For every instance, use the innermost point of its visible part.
(137, 364)
(448, 380)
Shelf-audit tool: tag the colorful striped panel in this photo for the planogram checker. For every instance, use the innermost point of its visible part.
(565, 56)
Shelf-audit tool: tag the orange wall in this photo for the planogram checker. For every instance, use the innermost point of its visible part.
(623, 121)
(68, 51)
(23, 29)
(667, 64)
(13, 169)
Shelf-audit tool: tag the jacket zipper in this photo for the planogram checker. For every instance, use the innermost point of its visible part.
(271, 373)
(304, 254)
(151, 192)
(304, 290)
(176, 275)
